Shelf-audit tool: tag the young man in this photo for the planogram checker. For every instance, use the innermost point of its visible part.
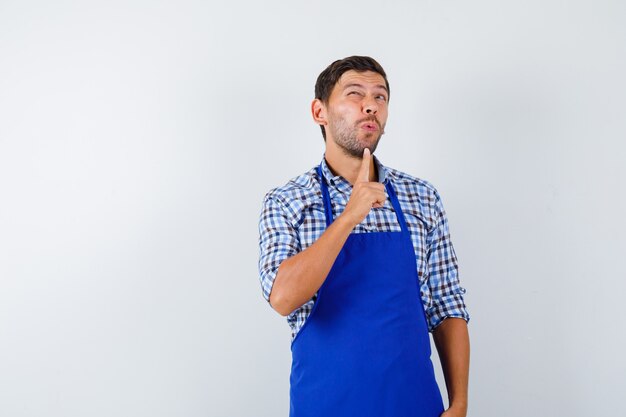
(358, 257)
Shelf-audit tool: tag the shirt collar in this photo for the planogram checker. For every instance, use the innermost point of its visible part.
(338, 179)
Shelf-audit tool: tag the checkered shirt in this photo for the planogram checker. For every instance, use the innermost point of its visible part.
(292, 219)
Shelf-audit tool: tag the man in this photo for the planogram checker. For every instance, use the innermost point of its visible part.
(358, 257)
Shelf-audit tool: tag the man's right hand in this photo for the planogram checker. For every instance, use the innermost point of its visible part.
(365, 194)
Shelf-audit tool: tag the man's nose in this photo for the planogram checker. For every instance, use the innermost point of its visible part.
(370, 106)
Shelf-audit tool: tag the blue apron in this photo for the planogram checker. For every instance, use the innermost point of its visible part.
(364, 350)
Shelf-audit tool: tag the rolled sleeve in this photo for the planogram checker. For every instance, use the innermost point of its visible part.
(278, 240)
(443, 281)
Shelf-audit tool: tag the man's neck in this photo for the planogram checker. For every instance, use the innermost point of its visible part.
(346, 166)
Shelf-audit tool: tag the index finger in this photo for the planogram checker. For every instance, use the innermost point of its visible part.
(364, 171)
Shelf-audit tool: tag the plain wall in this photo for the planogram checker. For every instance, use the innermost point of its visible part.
(137, 140)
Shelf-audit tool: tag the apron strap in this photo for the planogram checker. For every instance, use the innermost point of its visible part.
(396, 205)
(390, 191)
(328, 210)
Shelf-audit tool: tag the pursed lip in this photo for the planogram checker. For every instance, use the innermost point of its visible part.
(369, 125)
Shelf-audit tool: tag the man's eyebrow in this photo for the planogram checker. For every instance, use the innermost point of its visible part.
(361, 86)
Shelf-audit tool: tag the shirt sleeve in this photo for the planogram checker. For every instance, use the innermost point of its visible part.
(443, 280)
(278, 240)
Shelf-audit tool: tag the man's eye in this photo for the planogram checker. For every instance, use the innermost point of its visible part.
(383, 98)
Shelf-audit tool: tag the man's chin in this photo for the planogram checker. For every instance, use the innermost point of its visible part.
(357, 146)
(371, 145)
(359, 152)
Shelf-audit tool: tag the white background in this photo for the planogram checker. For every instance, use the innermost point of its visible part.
(137, 140)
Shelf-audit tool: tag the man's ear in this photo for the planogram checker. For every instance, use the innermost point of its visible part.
(318, 111)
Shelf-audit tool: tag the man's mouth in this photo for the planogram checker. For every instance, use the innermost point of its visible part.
(369, 126)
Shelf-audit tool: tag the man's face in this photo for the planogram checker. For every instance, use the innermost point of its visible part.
(357, 111)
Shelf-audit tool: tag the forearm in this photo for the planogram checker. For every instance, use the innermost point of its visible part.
(452, 341)
(300, 276)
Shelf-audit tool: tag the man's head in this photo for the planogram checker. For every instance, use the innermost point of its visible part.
(351, 97)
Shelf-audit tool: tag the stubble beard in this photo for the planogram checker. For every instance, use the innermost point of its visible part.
(346, 137)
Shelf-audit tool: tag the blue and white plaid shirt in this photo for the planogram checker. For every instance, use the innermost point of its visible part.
(292, 219)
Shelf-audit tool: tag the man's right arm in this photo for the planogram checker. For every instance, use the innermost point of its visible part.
(300, 275)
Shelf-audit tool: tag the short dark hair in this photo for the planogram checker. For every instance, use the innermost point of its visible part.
(328, 78)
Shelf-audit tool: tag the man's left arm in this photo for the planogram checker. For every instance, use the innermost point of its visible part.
(452, 342)
(447, 314)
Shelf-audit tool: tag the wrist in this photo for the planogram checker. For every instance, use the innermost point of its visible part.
(459, 405)
(345, 219)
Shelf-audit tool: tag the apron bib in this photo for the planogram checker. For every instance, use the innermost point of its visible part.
(364, 350)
